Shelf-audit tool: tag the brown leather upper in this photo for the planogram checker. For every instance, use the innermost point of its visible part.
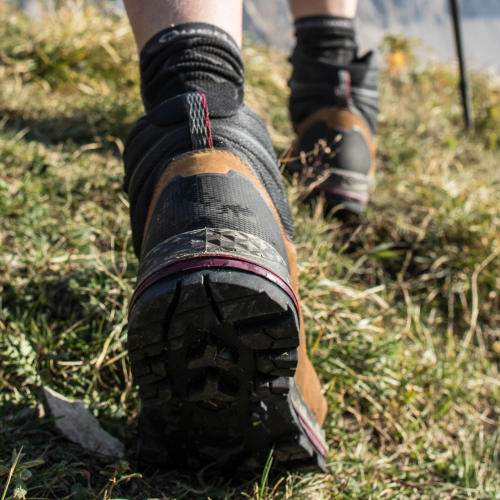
(222, 162)
(339, 118)
(207, 161)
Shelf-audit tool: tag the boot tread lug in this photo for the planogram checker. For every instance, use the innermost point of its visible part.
(216, 387)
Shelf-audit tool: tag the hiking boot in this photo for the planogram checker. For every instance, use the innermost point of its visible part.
(334, 111)
(216, 338)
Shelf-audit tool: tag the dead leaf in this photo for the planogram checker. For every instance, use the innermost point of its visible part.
(78, 425)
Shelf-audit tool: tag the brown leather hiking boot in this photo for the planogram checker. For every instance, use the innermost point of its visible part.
(216, 338)
(335, 152)
(334, 109)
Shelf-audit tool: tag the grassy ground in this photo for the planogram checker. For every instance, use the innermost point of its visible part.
(402, 309)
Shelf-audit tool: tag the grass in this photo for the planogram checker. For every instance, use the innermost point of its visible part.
(402, 308)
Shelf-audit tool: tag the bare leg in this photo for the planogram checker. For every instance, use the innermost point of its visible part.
(148, 17)
(339, 8)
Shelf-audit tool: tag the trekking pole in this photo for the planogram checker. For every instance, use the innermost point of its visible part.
(464, 84)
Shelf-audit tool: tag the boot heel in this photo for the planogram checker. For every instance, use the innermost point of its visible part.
(213, 337)
(209, 248)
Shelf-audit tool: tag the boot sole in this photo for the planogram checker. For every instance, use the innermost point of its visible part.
(346, 188)
(352, 202)
(213, 349)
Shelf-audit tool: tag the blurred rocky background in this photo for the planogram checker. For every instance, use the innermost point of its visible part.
(268, 21)
(428, 20)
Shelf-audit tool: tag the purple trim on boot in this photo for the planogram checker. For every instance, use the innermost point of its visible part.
(344, 194)
(311, 434)
(210, 261)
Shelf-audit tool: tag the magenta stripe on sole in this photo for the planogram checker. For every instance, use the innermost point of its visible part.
(208, 262)
(344, 194)
(311, 434)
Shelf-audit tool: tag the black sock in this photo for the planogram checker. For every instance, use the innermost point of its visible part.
(192, 57)
(328, 72)
(326, 38)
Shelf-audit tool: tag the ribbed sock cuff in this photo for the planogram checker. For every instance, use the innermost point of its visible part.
(192, 57)
(327, 38)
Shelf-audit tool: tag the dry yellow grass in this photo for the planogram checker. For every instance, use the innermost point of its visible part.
(402, 308)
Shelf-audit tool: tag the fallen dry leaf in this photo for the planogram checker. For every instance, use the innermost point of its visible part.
(78, 425)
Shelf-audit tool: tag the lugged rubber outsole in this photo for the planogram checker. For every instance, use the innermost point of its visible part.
(214, 352)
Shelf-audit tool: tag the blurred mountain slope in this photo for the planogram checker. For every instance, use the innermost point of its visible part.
(270, 22)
